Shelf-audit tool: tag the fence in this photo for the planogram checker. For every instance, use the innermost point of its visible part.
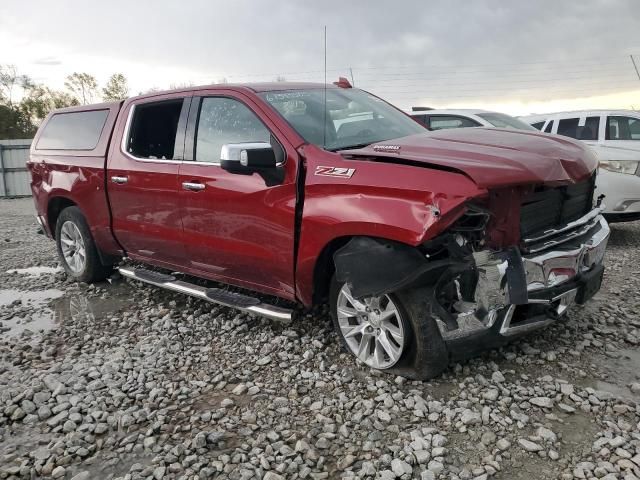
(14, 177)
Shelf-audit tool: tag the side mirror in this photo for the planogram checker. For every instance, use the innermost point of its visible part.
(238, 157)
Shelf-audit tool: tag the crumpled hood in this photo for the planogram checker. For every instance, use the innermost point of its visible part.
(492, 157)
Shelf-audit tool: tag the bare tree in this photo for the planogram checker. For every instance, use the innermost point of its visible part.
(10, 81)
(280, 78)
(116, 88)
(83, 86)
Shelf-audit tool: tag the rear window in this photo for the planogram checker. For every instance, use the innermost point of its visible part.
(73, 130)
(500, 120)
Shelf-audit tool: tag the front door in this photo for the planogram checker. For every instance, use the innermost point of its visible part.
(142, 177)
(238, 228)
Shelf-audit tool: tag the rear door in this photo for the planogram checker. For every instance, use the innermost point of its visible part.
(142, 178)
(238, 228)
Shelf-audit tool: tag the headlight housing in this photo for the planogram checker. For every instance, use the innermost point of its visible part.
(620, 166)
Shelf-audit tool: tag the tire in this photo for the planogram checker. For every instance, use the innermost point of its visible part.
(76, 249)
(423, 354)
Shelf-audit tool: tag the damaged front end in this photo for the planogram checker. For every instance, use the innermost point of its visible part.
(483, 290)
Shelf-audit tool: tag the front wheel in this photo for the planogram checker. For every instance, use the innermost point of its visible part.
(76, 248)
(393, 332)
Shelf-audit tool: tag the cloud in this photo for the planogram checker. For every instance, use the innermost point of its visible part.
(412, 52)
(47, 61)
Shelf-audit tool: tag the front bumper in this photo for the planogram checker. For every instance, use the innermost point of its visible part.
(518, 293)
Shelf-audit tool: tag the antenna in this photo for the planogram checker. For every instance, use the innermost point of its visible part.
(324, 109)
(632, 61)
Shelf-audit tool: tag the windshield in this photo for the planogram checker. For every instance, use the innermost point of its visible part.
(352, 118)
(500, 120)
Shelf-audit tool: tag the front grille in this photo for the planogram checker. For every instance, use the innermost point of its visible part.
(551, 208)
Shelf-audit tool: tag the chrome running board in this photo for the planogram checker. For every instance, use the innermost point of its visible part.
(225, 298)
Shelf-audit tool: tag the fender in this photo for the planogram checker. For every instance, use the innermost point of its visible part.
(402, 203)
(80, 180)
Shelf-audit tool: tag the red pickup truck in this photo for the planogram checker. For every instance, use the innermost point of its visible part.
(427, 245)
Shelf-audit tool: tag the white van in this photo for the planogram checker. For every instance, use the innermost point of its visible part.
(614, 136)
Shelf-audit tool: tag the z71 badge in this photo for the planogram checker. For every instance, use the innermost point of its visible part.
(335, 172)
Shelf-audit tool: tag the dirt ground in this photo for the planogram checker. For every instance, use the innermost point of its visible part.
(121, 380)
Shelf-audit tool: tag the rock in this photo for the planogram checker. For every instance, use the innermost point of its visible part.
(436, 467)
(58, 472)
(422, 456)
(497, 376)
(503, 444)
(200, 440)
(383, 415)
(81, 476)
(546, 434)
(544, 402)
(491, 394)
(239, 389)
(400, 467)
(158, 472)
(41, 453)
(272, 476)
(469, 417)
(263, 361)
(566, 389)
(528, 445)
(28, 406)
(345, 462)
(427, 475)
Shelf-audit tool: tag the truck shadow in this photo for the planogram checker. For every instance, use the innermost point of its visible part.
(625, 234)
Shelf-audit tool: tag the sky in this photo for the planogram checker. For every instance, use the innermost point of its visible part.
(519, 57)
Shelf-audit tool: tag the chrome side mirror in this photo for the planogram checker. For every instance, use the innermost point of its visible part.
(247, 156)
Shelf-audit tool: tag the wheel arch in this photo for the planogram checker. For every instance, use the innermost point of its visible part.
(55, 206)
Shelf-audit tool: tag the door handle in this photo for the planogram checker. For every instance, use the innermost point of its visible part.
(119, 180)
(192, 186)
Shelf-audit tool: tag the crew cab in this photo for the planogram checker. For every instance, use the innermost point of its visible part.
(428, 246)
(614, 137)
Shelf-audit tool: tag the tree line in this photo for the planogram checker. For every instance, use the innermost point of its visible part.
(20, 118)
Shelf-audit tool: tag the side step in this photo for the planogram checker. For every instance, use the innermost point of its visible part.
(226, 298)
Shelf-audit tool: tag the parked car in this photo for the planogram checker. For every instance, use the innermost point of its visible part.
(614, 136)
(427, 245)
(462, 118)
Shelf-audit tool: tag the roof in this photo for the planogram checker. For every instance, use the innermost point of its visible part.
(453, 111)
(257, 87)
(580, 112)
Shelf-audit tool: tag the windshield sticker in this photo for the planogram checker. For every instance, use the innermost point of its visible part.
(335, 172)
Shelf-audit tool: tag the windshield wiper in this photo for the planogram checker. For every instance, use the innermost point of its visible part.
(351, 147)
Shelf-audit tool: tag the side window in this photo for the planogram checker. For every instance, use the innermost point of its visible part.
(590, 129)
(153, 130)
(549, 127)
(568, 127)
(622, 128)
(440, 122)
(538, 125)
(225, 120)
(73, 131)
(421, 119)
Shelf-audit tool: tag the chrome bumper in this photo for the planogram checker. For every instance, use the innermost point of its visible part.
(548, 277)
(552, 268)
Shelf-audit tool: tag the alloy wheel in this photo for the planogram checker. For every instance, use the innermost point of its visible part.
(73, 248)
(372, 327)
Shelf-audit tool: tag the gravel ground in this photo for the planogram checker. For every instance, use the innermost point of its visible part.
(120, 380)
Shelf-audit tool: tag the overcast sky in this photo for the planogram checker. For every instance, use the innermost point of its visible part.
(519, 57)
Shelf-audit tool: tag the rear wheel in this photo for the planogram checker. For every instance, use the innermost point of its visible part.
(76, 248)
(392, 332)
